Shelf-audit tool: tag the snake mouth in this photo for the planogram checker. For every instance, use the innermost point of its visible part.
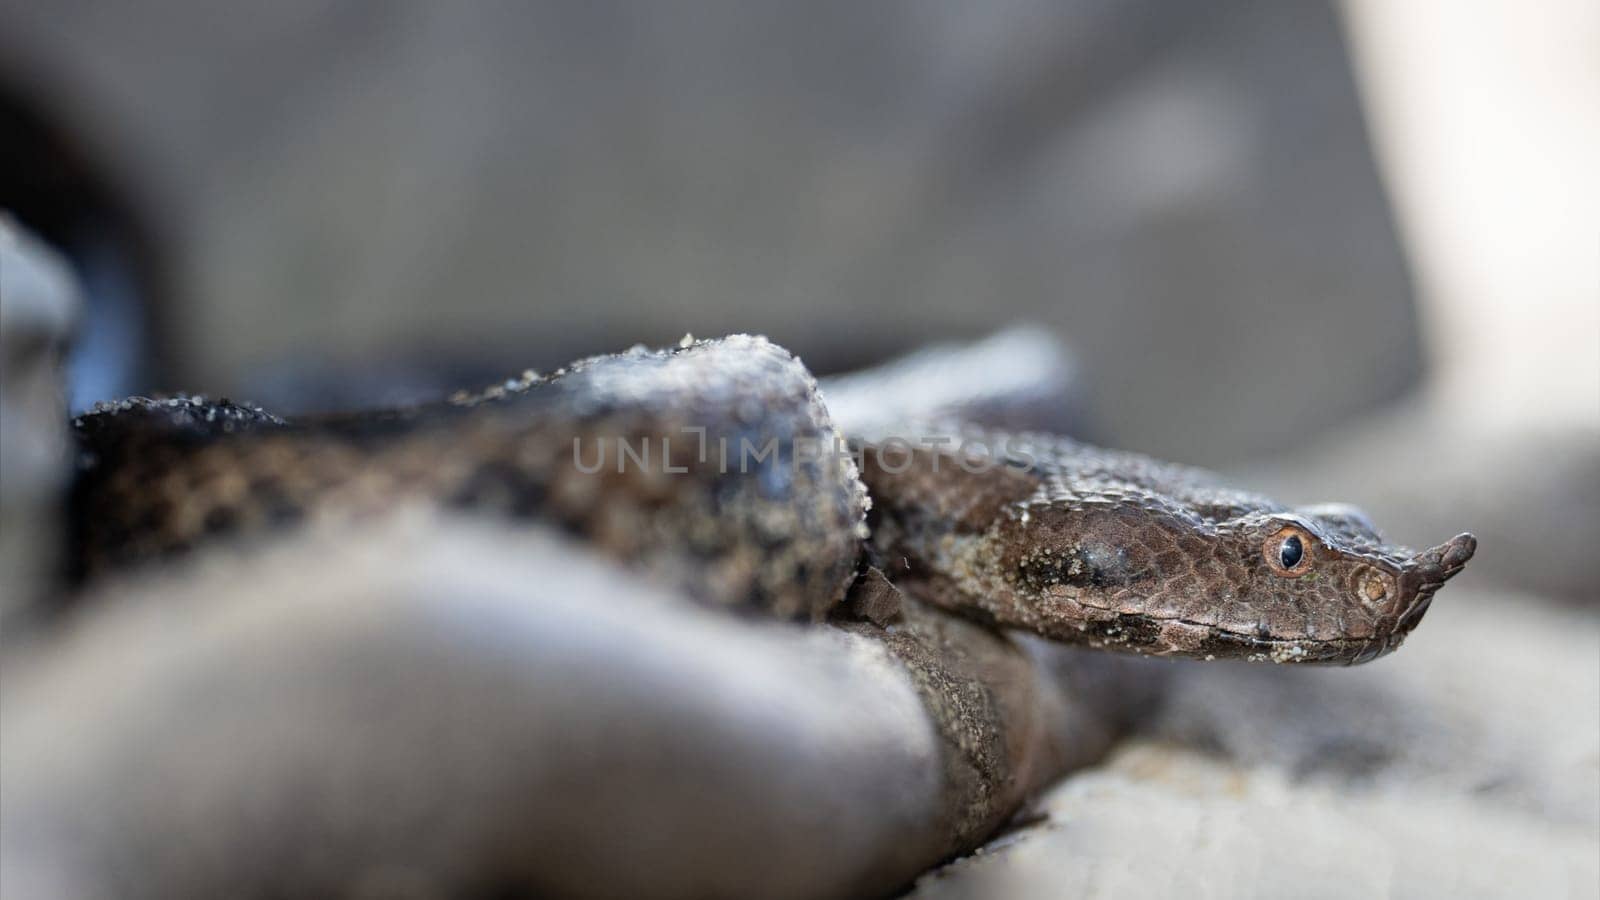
(1223, 643)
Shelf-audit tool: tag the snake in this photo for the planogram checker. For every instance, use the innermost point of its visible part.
(717, 467)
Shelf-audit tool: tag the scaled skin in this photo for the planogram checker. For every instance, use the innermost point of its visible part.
(636, 453)
(1117, 550)
(1069, 541)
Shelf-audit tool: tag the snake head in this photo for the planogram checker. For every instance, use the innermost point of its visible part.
(1329, 589)
(1313, 585)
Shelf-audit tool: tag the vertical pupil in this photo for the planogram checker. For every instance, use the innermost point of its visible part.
(1291, 552)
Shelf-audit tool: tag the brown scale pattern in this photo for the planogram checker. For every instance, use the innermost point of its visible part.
(1118, 550)
(159, 478)
(1066, 540)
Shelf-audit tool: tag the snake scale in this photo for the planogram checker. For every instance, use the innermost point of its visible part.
(716, 467)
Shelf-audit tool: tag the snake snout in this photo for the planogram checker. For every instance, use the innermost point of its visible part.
(1429, 570)
(1445, 560)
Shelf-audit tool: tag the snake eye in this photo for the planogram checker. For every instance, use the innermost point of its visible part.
(1288, 552)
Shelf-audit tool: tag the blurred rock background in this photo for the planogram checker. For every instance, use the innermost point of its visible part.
(1185, 192)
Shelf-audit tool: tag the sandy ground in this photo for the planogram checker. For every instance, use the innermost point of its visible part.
(1467, 765)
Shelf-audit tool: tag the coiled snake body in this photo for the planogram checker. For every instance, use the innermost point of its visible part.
(716, 466)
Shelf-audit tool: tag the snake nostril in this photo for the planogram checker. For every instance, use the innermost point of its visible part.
(1374, 589)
